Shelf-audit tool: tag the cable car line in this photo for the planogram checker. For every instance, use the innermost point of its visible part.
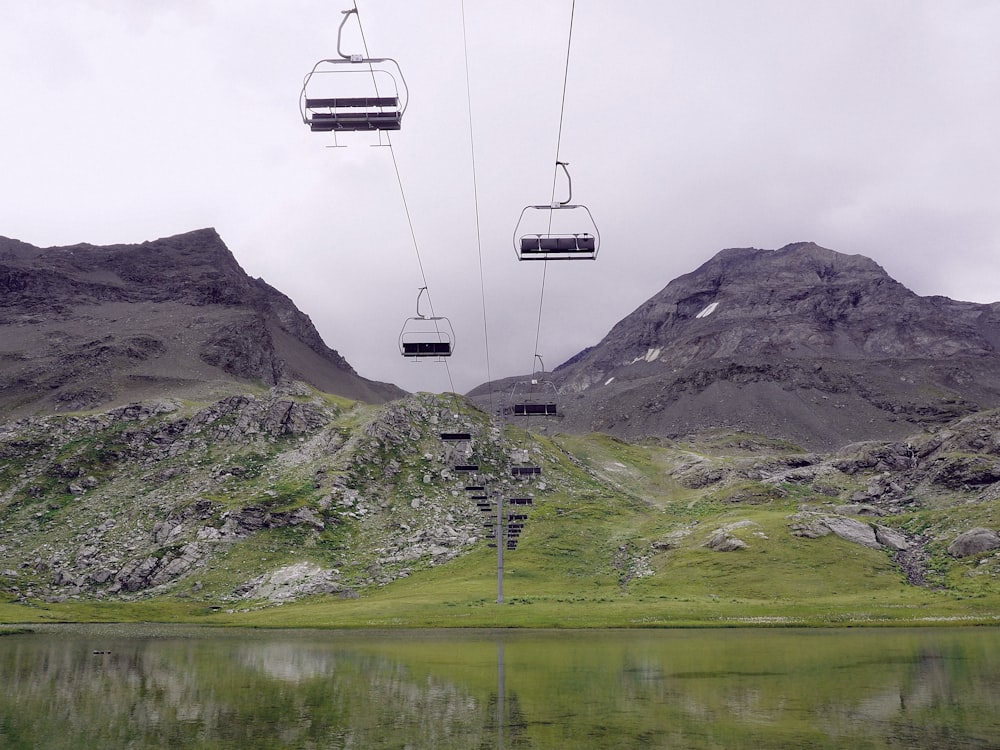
(475, 196)
(436, 319)
(555, 175)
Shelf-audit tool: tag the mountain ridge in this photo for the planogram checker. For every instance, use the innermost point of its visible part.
(800, 343)
(84, 326)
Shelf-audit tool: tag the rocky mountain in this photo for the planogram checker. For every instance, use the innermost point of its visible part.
(801, 343)
(255, 500)
(85, 326)
(208, 490)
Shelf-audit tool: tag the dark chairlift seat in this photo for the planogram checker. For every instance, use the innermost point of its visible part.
(467, 468)
(525, 471)
(353, 113)
(519, 501)
(535, 409)
(480, 498)
(543, 244)
(456, 437)
(475, 488)
(426, 348)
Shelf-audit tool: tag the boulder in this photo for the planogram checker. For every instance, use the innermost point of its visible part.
(891, 538)
(723, 542)
(973, 542)
(853, 531)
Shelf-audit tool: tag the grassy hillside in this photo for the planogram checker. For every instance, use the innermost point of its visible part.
(302, 510)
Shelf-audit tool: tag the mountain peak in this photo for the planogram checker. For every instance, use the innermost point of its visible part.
(83, 326)
(770, 340)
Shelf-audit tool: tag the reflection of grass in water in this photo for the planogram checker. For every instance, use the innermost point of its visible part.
(685, 688)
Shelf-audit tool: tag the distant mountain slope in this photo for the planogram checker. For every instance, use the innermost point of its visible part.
(83, 326)
(801, 343)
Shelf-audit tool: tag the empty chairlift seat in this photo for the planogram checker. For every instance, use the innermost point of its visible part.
(426, 335)
(535, 397)
(353, 92)
(557, 231)
(353, 113)
(548, 245)
(529, 409)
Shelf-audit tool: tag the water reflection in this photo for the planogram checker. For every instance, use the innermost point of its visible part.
(108, 687)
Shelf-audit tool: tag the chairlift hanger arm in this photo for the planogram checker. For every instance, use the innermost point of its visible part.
(569, 182)
(340, 31)
(419, 295)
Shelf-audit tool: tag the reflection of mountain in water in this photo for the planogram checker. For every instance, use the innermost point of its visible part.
(580, 691)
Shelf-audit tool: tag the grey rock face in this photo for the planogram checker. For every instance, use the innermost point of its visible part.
(86, 326)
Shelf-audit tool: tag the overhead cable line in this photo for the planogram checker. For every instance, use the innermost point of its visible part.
(555, 175)
(406, 206)
(475, 195)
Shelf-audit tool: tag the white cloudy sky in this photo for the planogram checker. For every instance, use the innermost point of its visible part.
(868, 126)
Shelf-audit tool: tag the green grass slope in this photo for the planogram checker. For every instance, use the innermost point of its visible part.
(618, 535)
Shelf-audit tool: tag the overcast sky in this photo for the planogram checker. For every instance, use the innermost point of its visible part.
(867, 126)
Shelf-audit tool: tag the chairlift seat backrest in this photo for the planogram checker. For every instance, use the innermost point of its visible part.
(541, 244)
(427, 348)
(343, 102)
(457, 437)
(530, 409)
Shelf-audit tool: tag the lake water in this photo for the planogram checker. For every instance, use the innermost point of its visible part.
(165, 687)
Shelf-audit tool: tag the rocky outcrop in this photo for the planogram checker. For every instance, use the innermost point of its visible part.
(974, 542)
(156, 496)
(296, 581)
(874, 536)
(723, 539)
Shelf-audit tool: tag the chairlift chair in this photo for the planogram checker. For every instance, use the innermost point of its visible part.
(353, 92)
(535, 397)
(557, 231)
(426, 335)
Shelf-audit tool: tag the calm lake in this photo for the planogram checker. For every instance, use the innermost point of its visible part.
(181, 687)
